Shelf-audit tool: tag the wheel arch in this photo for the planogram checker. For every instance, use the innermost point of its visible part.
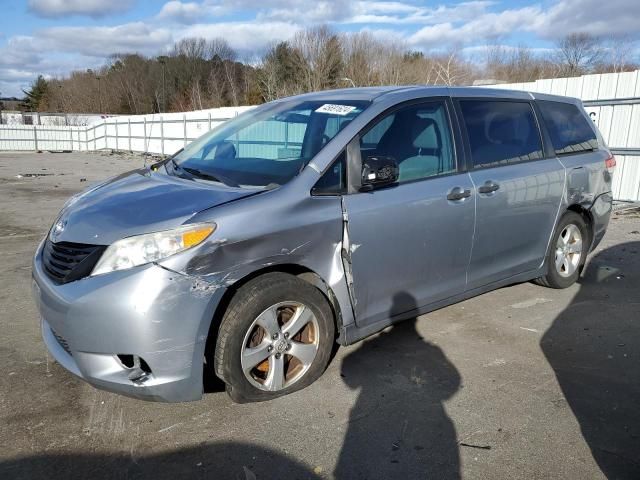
(586, 216)
(300, 271)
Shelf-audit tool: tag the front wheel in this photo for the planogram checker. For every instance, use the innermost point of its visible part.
(567, 252)
(276, 337)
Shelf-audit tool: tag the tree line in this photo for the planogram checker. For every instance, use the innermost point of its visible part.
(198, 74)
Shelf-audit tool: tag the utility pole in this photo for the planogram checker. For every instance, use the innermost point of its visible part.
(163, 61)
(61, 106)
(99, 93)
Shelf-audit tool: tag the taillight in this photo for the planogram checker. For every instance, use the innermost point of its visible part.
(610, 162)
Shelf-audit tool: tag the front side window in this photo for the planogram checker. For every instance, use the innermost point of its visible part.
(570, 131)
(501, 133)
(417, 136)
(267, 146)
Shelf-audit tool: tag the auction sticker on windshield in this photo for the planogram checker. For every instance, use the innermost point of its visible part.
(335, 109)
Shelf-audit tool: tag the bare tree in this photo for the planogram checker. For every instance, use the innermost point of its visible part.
(618, 54)
(518, 64)
(451, 69)
(321, 52)
(282, 72)
(579, 53)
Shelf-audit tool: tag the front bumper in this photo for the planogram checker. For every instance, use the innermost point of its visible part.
(157, 314)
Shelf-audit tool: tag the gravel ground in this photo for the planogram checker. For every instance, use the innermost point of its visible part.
(523, 382)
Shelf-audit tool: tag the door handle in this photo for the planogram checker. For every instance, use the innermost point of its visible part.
(489, 187)
(457, 193)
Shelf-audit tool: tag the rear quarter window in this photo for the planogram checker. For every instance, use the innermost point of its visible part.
(501, 132)
(568, 127)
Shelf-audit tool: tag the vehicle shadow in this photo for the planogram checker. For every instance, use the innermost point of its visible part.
(593, 347)
(398, 427)
(219, 461)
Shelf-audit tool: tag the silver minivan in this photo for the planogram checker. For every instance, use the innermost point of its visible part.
(312, 220)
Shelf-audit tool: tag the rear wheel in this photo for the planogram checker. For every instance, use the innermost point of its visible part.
(275, 338)
(567, 252)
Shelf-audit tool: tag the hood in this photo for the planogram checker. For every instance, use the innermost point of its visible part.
(138, 202)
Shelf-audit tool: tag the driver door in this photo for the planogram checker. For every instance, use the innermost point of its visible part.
(411, 241)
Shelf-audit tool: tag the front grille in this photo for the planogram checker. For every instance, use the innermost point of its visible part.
(63, 343)
(65, 262)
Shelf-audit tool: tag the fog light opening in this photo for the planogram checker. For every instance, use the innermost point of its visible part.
(139, 372)
(126, 360)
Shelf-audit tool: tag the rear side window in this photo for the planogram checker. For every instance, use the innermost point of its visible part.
(569, 129)
(501, 133)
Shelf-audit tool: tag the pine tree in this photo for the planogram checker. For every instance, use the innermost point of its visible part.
(36, 94)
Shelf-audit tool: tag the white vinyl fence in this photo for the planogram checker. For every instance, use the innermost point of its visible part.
(163, 133)
(612, 100)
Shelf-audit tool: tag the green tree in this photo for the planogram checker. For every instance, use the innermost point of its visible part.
(36, 95)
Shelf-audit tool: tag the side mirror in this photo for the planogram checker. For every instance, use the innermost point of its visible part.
(379, 171)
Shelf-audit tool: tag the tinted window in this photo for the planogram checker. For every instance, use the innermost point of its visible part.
(501, 132)
(417, 136)
(373, 136)
(334, 180)
(570, 131)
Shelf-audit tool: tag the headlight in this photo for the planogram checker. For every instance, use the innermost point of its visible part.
(140, 249)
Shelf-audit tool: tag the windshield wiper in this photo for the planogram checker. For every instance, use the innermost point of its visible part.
(208, 176)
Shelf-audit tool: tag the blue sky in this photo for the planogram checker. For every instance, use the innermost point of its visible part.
(53, 37)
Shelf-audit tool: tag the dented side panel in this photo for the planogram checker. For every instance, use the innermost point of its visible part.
(587, 177)
(282, 230)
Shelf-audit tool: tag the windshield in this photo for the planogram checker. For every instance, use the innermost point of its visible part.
(266, 146)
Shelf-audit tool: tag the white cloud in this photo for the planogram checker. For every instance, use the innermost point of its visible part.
(103, 41)
(615, 17)
(19, 52)
(309, 12)
(401, 13)
(91, 8)
(243, 36)
(189, 12)
(610, 18)
(484, 27)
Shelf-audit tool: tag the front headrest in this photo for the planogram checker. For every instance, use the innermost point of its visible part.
(428, 135)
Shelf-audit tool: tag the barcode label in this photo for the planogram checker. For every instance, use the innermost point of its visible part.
(335, 109)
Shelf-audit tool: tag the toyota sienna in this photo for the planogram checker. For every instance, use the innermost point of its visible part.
(300, 224)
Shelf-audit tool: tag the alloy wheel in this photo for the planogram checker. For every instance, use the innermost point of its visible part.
(568, 250)
(280, 346)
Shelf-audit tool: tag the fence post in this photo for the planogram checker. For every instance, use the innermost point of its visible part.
(117, 148)
(35, 137)
(184, 128)
(161, 136)
(209, 121)
(145, 144)
(286, 135)
(237, 137)
(129, 126)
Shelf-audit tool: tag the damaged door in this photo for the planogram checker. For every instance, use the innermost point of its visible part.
(410, 243)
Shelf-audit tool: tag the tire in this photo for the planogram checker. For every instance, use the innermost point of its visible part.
(564, 249)
(283, 319)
